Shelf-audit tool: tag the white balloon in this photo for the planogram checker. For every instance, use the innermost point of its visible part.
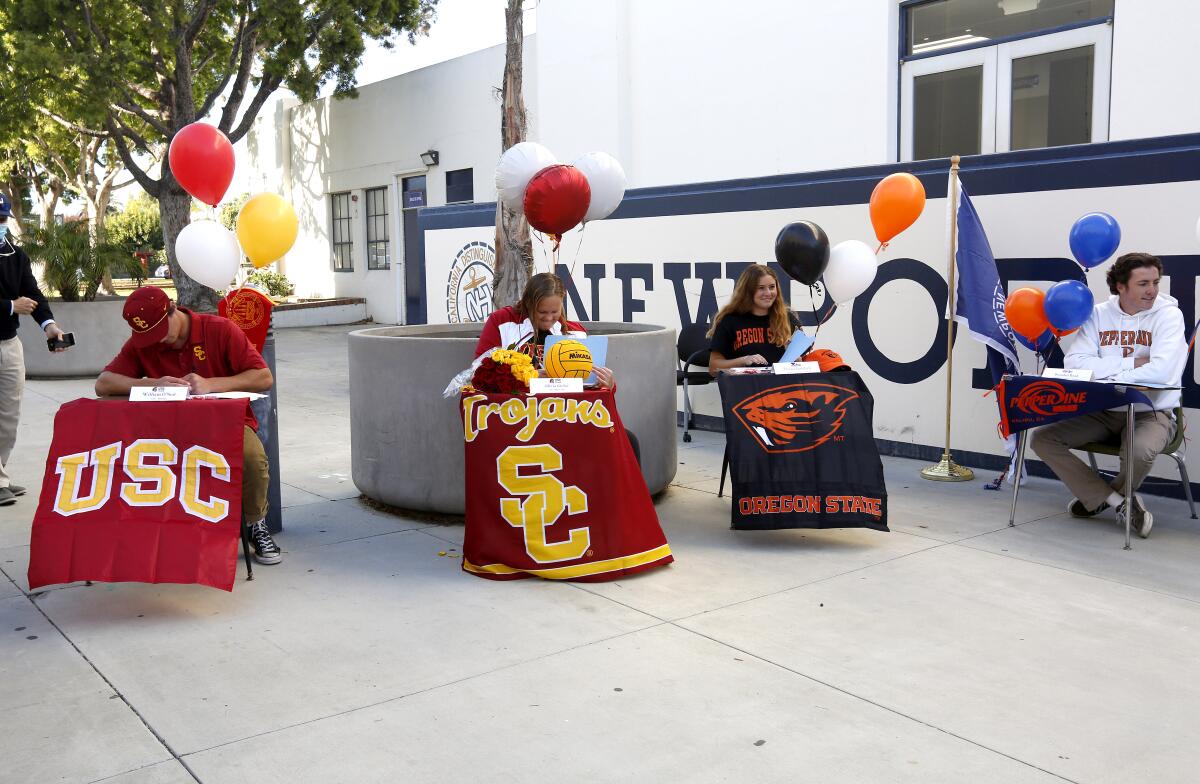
(851, 270)
(209, 253)
(516, 168)
(607, 180)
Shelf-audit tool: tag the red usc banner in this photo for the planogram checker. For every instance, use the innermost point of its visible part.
(554, 491)
(141, 492)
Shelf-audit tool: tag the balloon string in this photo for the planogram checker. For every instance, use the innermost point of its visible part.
(574, 261)
(813, 299)
(881, 248)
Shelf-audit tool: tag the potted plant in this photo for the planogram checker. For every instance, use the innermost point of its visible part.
(74, 264)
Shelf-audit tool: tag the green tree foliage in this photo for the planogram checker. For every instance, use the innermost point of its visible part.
(275, 283)
(74, 264)
(137, 227)
(137, 71)
(230, 210)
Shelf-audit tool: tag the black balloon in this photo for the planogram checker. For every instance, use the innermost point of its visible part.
(802, 249)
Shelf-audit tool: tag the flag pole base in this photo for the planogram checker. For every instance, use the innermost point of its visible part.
(947, 471)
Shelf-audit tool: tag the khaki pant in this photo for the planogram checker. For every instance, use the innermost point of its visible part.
(12, 384)
(256, 477)
(1053, 443)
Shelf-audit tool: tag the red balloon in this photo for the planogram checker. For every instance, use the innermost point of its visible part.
(1026, 313)
(557, 198)
(201, 158)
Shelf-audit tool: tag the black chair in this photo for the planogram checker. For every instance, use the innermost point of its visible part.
(693, 352)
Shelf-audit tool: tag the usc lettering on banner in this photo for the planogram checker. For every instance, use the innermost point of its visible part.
(150, 466)
(141, 492)
(572, 506)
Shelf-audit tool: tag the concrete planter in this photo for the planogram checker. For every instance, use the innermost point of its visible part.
(406, 439)
(99, 334)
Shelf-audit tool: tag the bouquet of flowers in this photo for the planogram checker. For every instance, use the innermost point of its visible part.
(503, 370)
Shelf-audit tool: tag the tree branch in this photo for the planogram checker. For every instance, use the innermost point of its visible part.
(70, 126)
(91, 23)
(150, 186)
(194, 27)
(131, 107)
(267, 86)
(138, 140)
(248, 46)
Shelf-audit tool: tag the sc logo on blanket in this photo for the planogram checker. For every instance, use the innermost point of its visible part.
(153, 481)
(545, 500)
(796, 417)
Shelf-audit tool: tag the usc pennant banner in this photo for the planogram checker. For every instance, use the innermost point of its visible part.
(250, 309)
(141, 492)
(553, 490)
(802, 452)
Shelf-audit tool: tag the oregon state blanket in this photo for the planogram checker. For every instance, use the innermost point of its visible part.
(802, 452)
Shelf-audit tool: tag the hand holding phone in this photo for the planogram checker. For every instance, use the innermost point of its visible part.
(61, 343)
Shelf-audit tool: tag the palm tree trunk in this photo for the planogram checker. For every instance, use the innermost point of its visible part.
(514, 251)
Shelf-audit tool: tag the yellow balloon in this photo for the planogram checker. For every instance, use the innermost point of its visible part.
(266, 228)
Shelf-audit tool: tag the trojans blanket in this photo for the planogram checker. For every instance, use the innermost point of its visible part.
(1033, 401)
(553, 490)
(141, 492)
(802, 452)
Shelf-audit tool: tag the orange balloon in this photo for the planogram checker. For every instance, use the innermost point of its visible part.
(1059, 333)
(1026, 313)
(896, 203)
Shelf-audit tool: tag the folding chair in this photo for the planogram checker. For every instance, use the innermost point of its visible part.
(1171, 450)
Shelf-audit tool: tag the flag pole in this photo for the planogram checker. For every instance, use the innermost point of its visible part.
(946, 470)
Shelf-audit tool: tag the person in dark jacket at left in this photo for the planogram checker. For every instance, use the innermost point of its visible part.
(19, 296)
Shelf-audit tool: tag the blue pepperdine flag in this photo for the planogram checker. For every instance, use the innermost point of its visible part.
(979, 304)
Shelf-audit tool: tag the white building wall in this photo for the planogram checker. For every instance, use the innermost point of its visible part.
(1155, 69)
(700, 91)
(331, 146)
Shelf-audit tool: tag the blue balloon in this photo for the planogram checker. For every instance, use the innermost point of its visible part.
(1094, 238)
(1068, 304)
(1043, 343)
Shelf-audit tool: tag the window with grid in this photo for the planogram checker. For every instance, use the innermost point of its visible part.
(378, 257)
(460, 186)
(981, 76)
(343, 242)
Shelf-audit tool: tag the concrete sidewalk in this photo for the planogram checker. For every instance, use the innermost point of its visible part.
(951, 649)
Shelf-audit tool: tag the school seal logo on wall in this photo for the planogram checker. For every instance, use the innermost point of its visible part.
(469, 287)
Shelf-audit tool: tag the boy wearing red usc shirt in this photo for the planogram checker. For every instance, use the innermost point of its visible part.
(172, 346)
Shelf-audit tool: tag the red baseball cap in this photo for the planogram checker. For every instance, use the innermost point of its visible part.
(146, 311)
(828, 361)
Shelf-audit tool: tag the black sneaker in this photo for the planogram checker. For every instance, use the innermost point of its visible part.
(16, 490)
(7, 497)
(265, 549)
(1077, 509)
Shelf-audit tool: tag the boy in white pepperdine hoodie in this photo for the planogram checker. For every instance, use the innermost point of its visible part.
(1137, 336)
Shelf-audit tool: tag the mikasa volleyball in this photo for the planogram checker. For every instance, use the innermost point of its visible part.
(568, 359)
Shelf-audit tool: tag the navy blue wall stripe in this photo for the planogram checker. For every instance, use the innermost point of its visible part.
(1108, 164)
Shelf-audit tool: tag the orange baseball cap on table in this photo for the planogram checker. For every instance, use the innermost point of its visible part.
(826, 359)
(146, 311)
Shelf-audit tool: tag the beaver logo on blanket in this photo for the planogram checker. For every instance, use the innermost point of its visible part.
(796, 417)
